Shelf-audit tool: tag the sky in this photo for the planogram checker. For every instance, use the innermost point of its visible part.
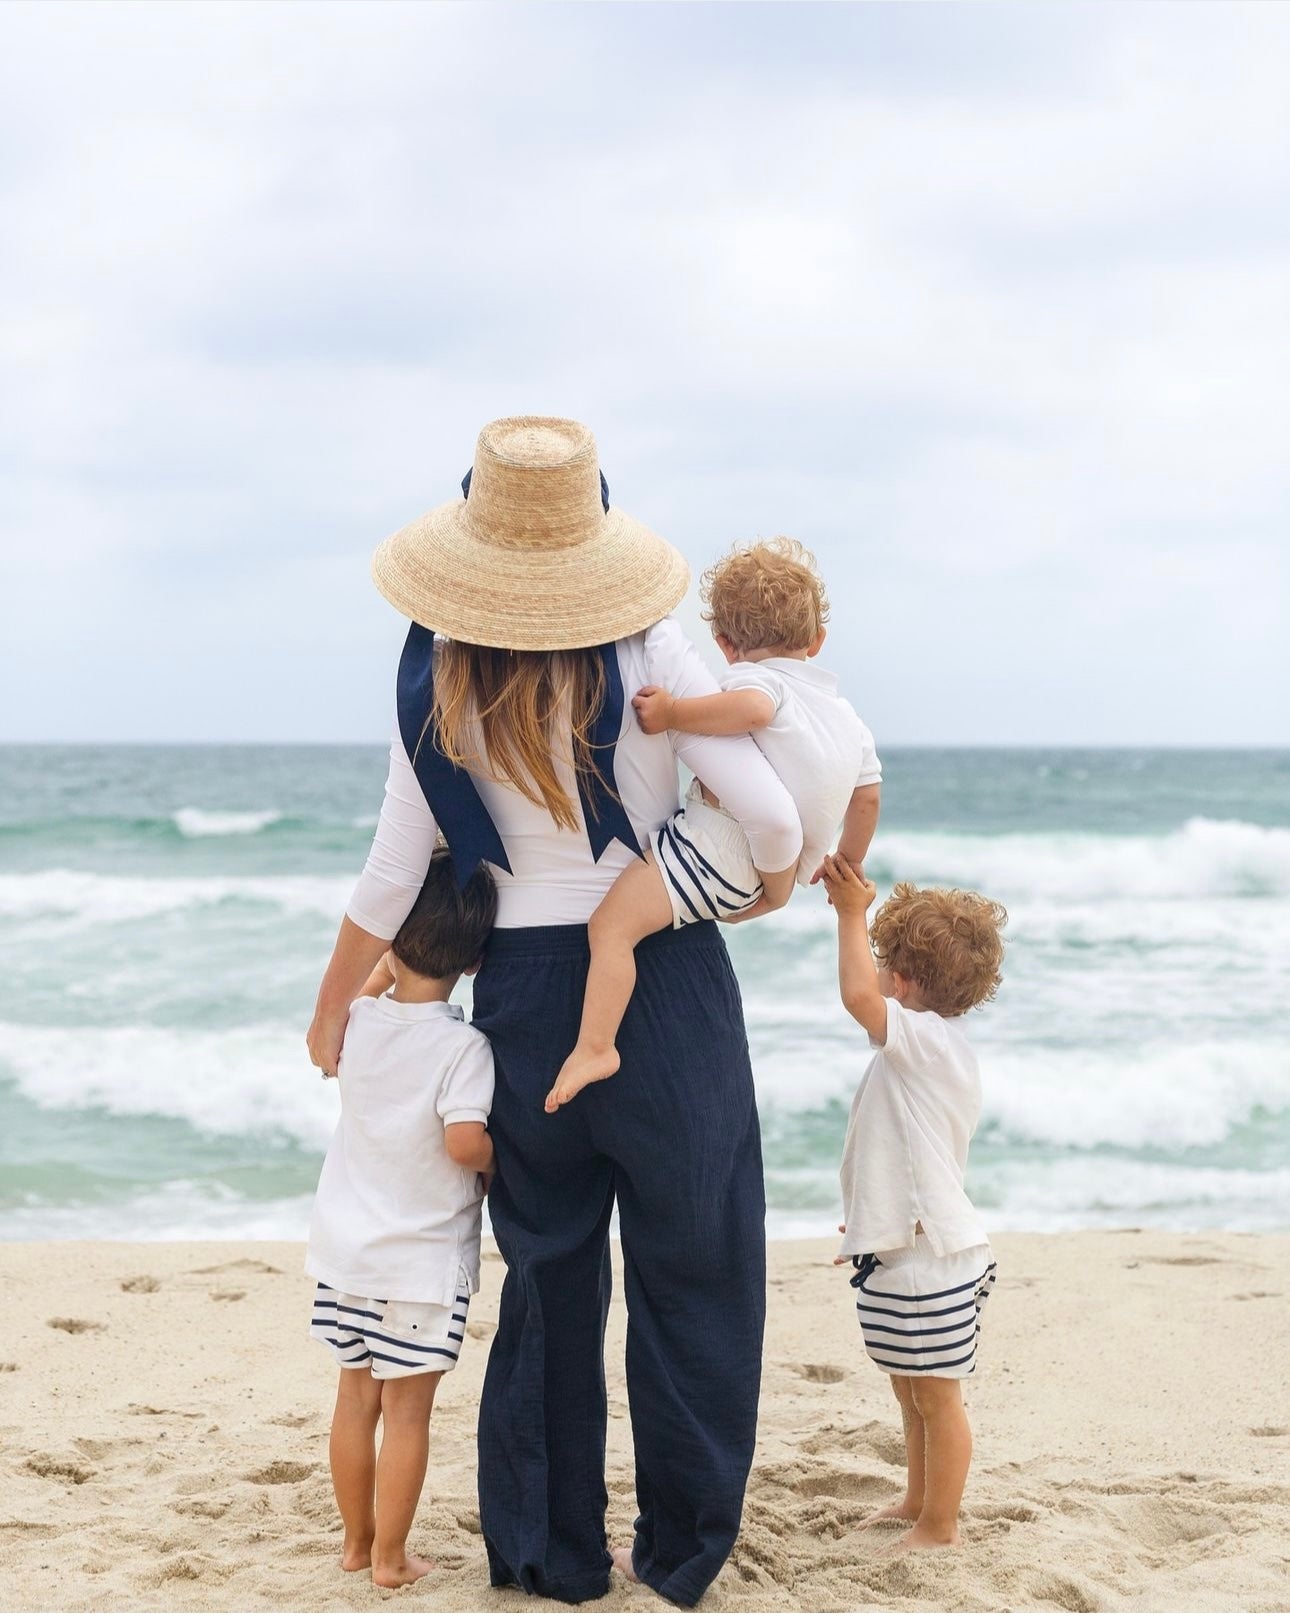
(987, 304)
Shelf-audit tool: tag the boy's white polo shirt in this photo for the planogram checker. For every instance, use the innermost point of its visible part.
(816, 743)
(907, 1140)
(395, 1217)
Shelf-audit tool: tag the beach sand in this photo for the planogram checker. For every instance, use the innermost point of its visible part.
(163, 1423)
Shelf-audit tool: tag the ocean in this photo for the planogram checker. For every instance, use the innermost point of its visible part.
(165, 914)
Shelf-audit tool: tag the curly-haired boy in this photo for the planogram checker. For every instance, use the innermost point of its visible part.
(767, 607)
(922, 1260)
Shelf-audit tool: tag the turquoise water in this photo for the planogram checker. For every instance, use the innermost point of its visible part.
(165, 914)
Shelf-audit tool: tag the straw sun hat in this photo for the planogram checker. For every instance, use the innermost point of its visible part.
(533, 557)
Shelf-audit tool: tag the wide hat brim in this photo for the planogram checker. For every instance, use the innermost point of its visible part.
(614, 583)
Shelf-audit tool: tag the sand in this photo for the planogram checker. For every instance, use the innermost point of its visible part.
(163, 1424)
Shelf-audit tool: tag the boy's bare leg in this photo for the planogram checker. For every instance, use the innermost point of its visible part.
(910, 1505)
(939, 1401)
(636, 906)
(353, 1463)
(406, 1404)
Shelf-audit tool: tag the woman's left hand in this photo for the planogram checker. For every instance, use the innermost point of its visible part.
(325, 1037)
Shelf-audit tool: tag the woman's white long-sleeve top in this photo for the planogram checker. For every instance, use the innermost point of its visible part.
(554, 878)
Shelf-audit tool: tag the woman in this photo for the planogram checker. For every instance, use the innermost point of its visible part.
(514, 741)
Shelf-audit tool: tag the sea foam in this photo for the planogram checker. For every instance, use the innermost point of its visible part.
(224, 822)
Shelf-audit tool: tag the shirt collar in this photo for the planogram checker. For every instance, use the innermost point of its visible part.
(417, 1010)
(800, 668)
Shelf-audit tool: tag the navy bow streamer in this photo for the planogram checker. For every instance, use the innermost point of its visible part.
(604, 488)
(454, 798)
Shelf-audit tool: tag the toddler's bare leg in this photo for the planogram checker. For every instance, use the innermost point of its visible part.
(939, 1401)
(353, 1463)
(910, 1505)
(636, 906)
(406, 1403)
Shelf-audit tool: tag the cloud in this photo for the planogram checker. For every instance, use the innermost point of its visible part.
(986, 303)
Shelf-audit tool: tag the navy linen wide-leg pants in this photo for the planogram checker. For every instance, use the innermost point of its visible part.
(674, 1137)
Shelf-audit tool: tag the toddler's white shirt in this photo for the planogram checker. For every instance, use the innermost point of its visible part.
(395, 1217)
(907, 1140)
(816, 743)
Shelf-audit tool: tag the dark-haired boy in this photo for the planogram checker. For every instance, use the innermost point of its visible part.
(394, 1238)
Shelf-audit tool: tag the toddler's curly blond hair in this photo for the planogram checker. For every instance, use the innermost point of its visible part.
(944, 940)
(767, 594)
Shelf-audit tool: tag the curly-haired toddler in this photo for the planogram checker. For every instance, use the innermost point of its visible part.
(921, 1258)
(767, 607)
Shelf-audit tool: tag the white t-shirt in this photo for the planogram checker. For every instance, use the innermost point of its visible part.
(395, 1217)
(553, 877)
(817, 744)
(907, 1141)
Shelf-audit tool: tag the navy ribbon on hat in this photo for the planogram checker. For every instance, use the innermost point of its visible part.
(453, 796)
(604, 488)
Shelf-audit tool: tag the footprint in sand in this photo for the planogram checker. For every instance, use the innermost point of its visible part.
(141, 1283)
(59, 1470)
(1188, 1260)
(8, 1365)
(281, 1472)
(1269, 1432)
(820, 1373)
(481, 1329)
(227, 1295)
(256, 1266)
(75, 1327)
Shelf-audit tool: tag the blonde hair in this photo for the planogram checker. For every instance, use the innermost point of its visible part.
(944, 940)
(767, 594)
(512, 702)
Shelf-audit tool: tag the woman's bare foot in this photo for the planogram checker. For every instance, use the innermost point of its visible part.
(356, 1556)
(922, 1538)
(901, 1510)
(581, 1068)
(393, 1575)
(622, 1560)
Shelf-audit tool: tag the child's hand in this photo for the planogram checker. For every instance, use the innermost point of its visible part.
(849, 892)
(653, 708)
(843, 1258)
(819, 871)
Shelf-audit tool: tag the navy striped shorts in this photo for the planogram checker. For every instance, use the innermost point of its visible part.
(389, 1338)
(920, 1313)
(707, 868)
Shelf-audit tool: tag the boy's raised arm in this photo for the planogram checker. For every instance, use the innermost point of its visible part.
(724, 713)
(852, 895)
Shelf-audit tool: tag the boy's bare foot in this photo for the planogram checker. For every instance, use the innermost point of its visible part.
(393, 1575)
(581, 1068)
(622, 1560)
(898, 1511)
(355, 1557)
(922, 1538)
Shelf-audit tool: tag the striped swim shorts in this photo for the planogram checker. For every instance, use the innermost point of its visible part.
(388, 1338)
(921, 1314)
(705, 862)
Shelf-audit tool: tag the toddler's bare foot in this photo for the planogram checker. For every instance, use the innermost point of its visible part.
(357, 1555)
(622, 1559)
(922, 1538)
(581, 1068)
(393, 1575)
(902, 1510)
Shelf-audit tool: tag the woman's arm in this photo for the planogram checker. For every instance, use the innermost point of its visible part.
(384, 894)
(352, 961)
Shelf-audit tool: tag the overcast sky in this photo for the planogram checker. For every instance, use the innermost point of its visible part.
(989, 305)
